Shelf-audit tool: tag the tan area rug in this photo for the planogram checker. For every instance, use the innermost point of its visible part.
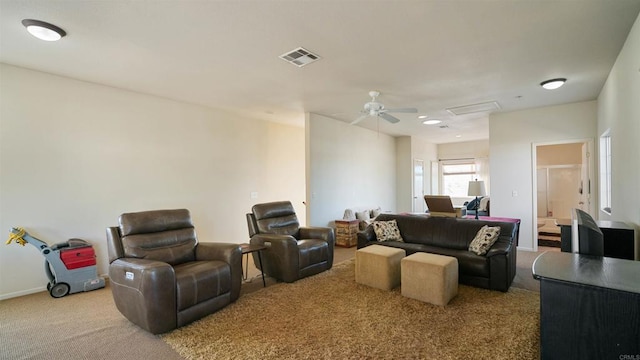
(329, 316)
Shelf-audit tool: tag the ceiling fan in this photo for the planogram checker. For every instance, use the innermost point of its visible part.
(376, 109)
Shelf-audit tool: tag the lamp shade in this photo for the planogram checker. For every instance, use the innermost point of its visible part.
(476, 188)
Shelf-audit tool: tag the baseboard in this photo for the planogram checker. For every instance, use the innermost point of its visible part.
(525, 249)
(22, 293)
(37, 290)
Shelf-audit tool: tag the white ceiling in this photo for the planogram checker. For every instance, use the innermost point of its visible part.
(425, 54)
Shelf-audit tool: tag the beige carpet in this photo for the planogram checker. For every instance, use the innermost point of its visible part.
(329, 316)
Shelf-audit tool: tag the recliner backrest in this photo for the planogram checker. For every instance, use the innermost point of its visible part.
(163, 235)
(276, 218)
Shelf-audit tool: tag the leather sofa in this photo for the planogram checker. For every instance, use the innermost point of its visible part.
(451, 237)
(161, 277)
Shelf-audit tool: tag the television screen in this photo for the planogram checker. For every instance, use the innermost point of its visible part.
(586, 237)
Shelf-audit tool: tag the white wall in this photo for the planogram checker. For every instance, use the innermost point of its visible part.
(512, 136)
(464, 149)
(75, 155)
(347, 166)
(619, 110)
(477, 149)
(408, 149)
(428, 152)
(404, 174)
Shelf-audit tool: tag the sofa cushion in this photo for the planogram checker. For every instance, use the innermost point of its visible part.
(484, 239)
(387, 230)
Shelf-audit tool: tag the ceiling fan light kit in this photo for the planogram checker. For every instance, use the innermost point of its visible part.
(43, 30)
(553, 83)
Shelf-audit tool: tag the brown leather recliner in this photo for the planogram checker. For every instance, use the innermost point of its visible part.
(293, 252)
(161, 277)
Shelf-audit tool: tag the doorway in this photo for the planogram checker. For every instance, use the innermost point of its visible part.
(418, 186)
(562, 181)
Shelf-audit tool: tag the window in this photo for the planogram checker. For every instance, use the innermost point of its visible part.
(456, 177)
(605, 172)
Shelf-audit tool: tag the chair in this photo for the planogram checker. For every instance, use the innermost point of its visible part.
(473, 204)
(293, 252)
(441, 205)
(161, 277)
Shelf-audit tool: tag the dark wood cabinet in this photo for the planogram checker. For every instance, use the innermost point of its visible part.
(619, 238)
(589, 306)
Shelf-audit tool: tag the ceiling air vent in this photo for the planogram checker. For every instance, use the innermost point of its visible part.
(475, 108)
(300, 57)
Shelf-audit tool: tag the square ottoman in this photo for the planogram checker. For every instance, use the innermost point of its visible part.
(430, 278)
(379, 266)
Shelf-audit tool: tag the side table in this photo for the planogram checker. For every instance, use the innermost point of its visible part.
(347, 232)
(248, 249)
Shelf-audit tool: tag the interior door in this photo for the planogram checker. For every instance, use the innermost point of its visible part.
(585, 183)
(418, 186)
(543, 210)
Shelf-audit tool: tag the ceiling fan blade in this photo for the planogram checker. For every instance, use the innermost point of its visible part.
(389, 118)
(359, 119)
(403, 110)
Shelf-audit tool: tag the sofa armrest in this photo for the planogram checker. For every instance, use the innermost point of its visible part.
(502, 263)
(366, 236)
(229, 253)
(501, 246)
(145, 284)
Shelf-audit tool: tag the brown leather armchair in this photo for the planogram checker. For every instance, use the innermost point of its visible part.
(161, 277)
(293, 252)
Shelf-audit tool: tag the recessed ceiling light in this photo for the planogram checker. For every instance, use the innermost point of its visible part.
(422, 116)
(43, 30)
(458, 136)
(432, 122)
(553, 83)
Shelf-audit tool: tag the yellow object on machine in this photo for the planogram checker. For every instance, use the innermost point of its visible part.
(17, 237)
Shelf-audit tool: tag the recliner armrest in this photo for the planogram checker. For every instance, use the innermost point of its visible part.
(145, 284)
(229, 253)
(323, 233)
(282, 252)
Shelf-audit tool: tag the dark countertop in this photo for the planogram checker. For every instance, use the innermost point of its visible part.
(597, 271)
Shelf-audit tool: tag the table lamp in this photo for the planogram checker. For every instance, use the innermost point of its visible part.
(476, 188)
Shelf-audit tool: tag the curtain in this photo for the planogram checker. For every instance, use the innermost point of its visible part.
(482, 170)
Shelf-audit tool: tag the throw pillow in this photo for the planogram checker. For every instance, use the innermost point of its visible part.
(485, 238)
(484, 202)
(375, 212)
(387, 230)
(363, 215)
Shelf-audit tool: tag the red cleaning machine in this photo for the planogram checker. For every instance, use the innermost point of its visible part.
(70, 266)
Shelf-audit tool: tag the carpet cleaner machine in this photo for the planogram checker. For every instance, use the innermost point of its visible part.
(70, 266)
